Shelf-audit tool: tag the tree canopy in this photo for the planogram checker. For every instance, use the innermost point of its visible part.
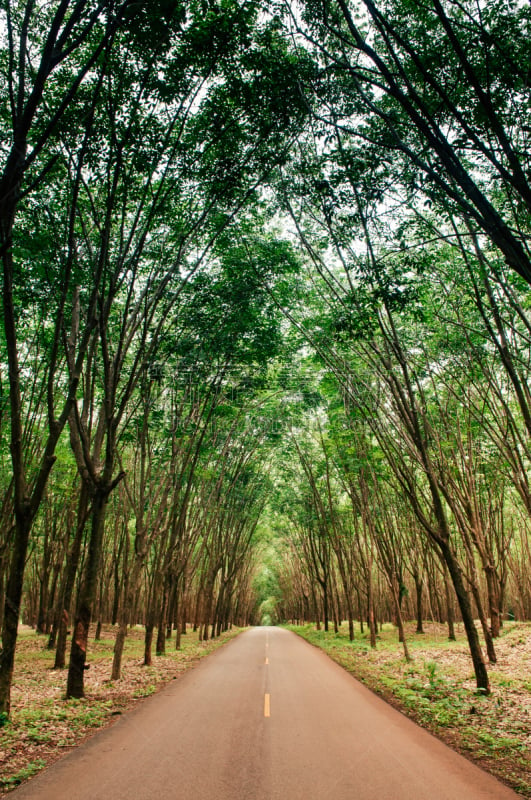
(264, 351)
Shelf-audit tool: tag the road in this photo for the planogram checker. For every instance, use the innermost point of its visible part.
(267, 717)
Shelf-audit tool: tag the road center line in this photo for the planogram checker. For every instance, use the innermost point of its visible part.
(267, 705)
(267, 660)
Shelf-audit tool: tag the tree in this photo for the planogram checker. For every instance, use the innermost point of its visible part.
(432, 95)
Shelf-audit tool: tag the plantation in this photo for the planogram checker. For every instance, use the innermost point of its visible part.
(265, 344)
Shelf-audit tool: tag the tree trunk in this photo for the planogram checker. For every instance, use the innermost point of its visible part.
(160, 647)
(172, 601)
(494, 594)
(70, 578)
(220, 611)
(148, 643)
(86, 600)
(491, 652)
(203, 635)
(449, 608)
(184, 608)
(400, 624)
(480, 670)
(12, 609)
(360, 611)
(316, 611)
(420, 613)
(348, 595)
(115, 616)
(52, 614)
(131, 589)
(372, 621)
(116, 671)
(3, 560)
(43, 610)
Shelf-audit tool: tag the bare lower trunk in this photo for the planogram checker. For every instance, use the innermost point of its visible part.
(148, 644)
(116, 672)
(86, 600)
(360, 612)
(325, 606)
(160, 647)
(43, 610)
(203, 634)
(400, 625)
(70, 579)
(491, 651)
(78, 653)
(480, 670)
(420, 611)
(449, 610)
(131, 590)
(350, 627)
(12, 611)
(2, 591)
(494, 602)
(371, 620)
(335, 611)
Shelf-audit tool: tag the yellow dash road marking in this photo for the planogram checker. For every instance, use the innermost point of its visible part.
(267, 705)
(267, 661)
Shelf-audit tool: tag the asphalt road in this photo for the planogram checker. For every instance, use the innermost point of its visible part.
(267, 717)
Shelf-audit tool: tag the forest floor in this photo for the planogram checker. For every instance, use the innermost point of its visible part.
(437, 689)
(44, 726)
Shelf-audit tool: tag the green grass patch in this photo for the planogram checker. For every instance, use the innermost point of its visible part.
(14, 780)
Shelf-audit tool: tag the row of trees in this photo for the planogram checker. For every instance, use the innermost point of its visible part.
(358, 551)
(409, 198)
(133, 137)
(145, 148)
(179, 527)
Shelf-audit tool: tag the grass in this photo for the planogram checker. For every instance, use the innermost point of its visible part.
(43, 725)
(437, 690)
(23, 774)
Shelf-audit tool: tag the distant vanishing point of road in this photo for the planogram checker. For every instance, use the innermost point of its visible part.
(266, 717)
